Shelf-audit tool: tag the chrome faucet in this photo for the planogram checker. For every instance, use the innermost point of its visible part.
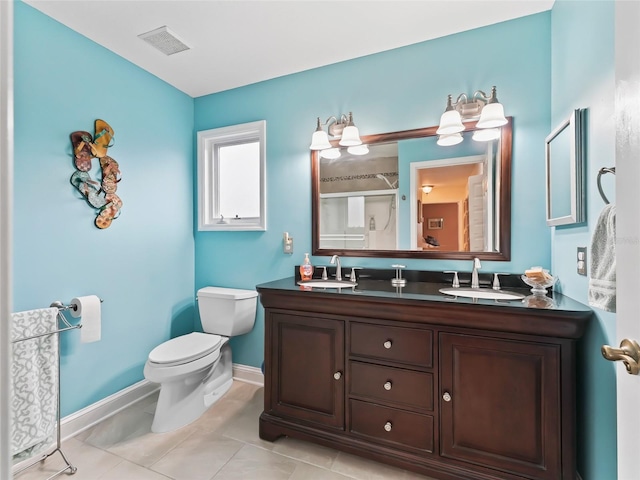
(474, 274)
(335, 260)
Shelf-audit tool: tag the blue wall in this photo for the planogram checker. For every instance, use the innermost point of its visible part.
(583, 77)
(143, 265)
(400, 89)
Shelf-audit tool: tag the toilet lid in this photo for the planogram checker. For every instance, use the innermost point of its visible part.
(185, 348)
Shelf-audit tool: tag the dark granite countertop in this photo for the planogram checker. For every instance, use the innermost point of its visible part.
(425, 286)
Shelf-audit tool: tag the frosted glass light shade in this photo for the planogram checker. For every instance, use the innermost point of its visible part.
(350, 136)
(330, 153)
(492, 116)
(427, 189)
(486, 134)
(449, 140)
(450, 122)
(319, 140)
(358, 150)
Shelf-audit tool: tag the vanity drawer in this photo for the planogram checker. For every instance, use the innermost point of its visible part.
(392, 385)
(391, 426)
(398, 344)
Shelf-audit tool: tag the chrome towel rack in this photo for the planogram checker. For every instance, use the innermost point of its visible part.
(67, 325)
(69, 468)
(603, 171)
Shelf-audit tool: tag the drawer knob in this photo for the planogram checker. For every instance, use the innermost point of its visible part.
(387, 344)
(446, 397)
(337, 375)
(387, 426)
(387, 386)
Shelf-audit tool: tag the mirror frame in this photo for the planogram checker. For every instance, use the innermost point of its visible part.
(505, 201)
(574, 126)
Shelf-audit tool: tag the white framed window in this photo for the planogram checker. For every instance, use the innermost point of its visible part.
(232, 177)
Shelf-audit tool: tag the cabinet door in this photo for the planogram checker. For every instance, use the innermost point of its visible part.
(500, 404)
(307, 360)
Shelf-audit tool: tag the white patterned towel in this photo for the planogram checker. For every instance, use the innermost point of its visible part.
(34, 378)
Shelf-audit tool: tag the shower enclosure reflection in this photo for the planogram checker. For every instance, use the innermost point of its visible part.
(359, 200)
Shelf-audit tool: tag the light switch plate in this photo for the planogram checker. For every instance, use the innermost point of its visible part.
(581, 258)
(287, 243)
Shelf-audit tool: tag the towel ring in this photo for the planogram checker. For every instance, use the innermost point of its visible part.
(601, 172)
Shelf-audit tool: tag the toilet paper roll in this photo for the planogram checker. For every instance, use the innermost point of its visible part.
(88, 308)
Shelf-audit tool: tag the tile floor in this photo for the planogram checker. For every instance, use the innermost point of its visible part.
(223, 444)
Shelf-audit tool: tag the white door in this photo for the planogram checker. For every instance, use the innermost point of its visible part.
(6, 181)
(628, 228)
(477, 213)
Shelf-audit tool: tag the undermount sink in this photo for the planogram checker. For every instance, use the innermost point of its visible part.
(327, 284)
(486, 293)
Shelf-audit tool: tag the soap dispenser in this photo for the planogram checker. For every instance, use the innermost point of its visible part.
(306, 269)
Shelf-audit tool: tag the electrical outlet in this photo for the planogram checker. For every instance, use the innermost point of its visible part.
(287, 245)
(581, 258)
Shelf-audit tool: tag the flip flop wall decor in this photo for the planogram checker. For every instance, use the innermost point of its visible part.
(100, 195)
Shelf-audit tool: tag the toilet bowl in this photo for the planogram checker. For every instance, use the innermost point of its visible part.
(195, 370)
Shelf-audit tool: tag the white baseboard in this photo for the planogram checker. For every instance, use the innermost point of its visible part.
(247, 374)
(79, 421)
(87, 417)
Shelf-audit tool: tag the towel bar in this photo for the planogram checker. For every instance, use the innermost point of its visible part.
(601, 172)
(69, 467)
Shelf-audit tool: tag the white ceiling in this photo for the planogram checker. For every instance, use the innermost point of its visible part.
(239, 42)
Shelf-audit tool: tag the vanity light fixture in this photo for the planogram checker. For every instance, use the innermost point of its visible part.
(486, 108)
(451, 120)
(319, 139)
(330, 153)
(342, 128)
(492, 114)
(358, 150)
(427, 189)
(449, 139)
(486, 134)
(333, 153)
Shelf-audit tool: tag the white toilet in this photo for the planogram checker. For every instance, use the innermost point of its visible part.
(194, 370)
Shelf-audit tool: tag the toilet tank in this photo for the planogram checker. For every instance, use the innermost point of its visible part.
(227, 311)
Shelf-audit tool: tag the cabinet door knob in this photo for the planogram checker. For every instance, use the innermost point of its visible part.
(387, 344)
(387, 386)
(446, 397)
(387, 426)
(337, 375)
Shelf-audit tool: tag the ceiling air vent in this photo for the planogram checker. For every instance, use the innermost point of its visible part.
(164, 40)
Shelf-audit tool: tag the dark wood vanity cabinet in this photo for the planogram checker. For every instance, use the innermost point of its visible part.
(500, 404)
(390, 385)
(306, 368)
(464, 392)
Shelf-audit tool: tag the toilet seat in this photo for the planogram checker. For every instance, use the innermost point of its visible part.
(184, 349)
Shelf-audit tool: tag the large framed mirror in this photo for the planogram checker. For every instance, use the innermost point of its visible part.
(411, 197)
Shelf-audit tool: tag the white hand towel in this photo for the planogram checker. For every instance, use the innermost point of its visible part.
(34, 378)
(602, 274)
(355, 212)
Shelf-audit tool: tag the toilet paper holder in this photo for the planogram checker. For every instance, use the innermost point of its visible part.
(61, 306)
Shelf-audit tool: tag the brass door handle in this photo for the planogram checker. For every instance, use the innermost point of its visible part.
(629, 353)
